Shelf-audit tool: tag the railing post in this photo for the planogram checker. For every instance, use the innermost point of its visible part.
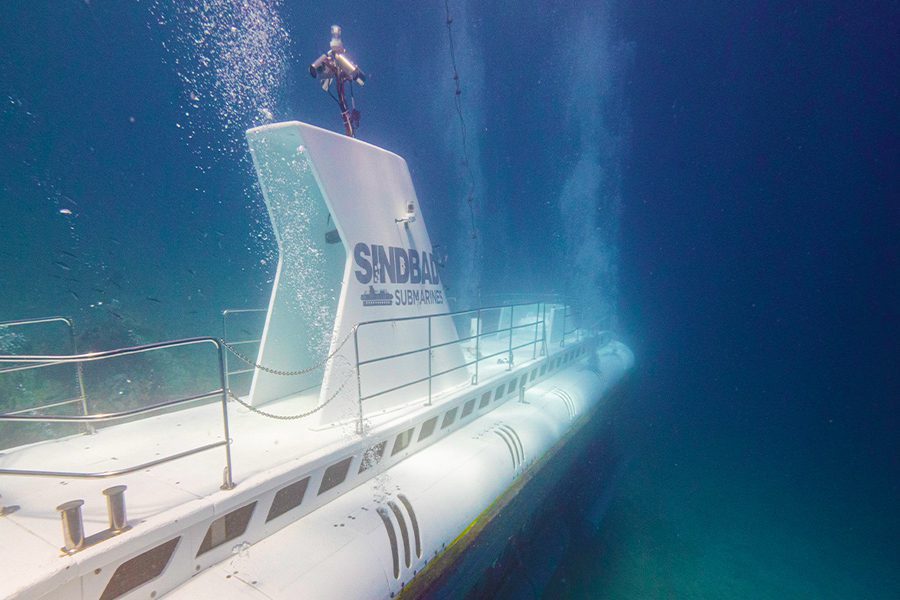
(228, 477)
(429, 360)
(509, 361)
(544, 329)
(225, 338)
(359, 424)
(537, 308)
(79, 375)
(477, 343)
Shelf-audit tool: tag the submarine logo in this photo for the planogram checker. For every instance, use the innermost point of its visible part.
(379, 298)
(416, 270)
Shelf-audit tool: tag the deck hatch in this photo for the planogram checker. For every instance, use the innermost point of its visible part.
(402, 441)
(139, 570)
(227, 527)
(427, 428)
(449, 417)
(372, 456)
(468, 407)
(288, 497)
(415, 522)
(392, 538)
(335, 475)
(404, 532)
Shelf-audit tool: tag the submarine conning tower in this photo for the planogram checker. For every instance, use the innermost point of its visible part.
(353, 248)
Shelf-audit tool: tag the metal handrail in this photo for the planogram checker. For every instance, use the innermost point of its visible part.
(538, 324)
(79, 371)
(225, 314)
(89, 418)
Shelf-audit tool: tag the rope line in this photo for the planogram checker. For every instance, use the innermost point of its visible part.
(457, 100)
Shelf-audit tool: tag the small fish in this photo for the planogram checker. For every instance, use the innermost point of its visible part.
(152, 299)
(65, 211)
(69, 200)
(96, 289)
(115, 241)
(191, 271)
(62, 265)
(192, 312)
(67, 253)
(115, 314)
(74, 295)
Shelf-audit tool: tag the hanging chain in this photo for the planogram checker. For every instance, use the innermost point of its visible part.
(272, 371)
(302, 415)
(305, 371)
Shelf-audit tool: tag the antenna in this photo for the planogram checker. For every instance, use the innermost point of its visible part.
(335, 66)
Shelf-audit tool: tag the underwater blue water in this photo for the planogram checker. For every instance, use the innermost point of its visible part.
(720, 177)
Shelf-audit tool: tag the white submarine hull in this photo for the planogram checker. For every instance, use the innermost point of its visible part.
(346, 549)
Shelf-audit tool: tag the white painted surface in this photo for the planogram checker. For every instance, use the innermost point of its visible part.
(365, 189)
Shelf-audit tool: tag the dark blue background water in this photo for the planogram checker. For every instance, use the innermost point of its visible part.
(751, 150)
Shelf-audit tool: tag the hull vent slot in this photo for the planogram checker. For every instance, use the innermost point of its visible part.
(392, 538)
(567, 400)
(404, 530)
(517, 440)
(512, 441)
(415, 523)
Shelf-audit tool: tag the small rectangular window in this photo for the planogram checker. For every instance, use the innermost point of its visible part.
(512, 387)
(485, 400)
(402, 441)
(449, 417)
(139, 570)
(499, 392)
(226, 528)
(372, 456)
(543, 369)
(335, 475)
(287, 498)
(523, 381)
(427, 428)
(468, 407)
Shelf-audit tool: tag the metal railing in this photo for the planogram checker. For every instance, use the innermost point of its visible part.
(36, 361)
(79, 372)
(237, 343)
(537, 343)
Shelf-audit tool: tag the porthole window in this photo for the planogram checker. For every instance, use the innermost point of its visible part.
(402, 441)
(335, 475)
(427, 428)
(372, 456)
(468, 407)
(287, 498)
(449, 418)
